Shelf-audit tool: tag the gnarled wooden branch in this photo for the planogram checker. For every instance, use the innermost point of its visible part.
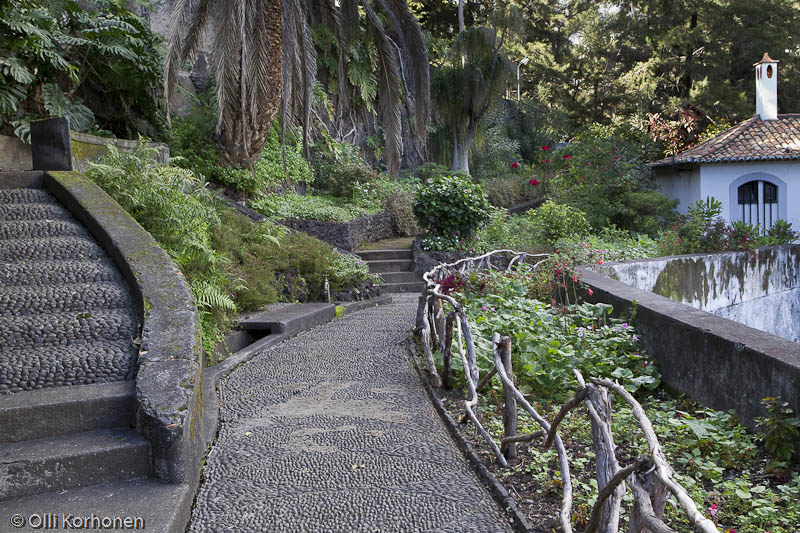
(663, 470)
(525, 438)
(580, 394)
(566, 499)
(610, 488)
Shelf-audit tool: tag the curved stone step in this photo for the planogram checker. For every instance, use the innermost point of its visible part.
(400, 277)
(59, 411)
(56, 248)
(57, 366)
(33, 212)
(67, 329)
(52, 272)
(26, 196)
(30, 229)
(386, 255)
(392, 265)
(68, 461)
(415, 287)
(80, 297)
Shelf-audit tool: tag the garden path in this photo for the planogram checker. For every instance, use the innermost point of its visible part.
(332, 431)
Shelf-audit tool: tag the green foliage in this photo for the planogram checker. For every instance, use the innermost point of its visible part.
(450, 205)
(781, 430)
(554, 221)
(493, 154)
(428, 171)
(512, 189)
(605, 178)
(194, 145)
(548, 343)
(611, 244)
(99, 65)
(338, 167)
(308, 207)
(780, 233)
(169, 202)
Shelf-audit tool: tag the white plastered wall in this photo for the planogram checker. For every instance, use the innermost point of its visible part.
(680, 184)
(716, 180)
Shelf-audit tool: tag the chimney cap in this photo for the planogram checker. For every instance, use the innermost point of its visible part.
(766, 59)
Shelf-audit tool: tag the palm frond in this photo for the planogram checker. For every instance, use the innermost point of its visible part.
(390, 97)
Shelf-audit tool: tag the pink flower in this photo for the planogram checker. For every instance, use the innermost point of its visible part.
(546, 147)
(534, 182)
(599, 261)
(590, 291)
(713, 510)
(567, 156)
(514, 165)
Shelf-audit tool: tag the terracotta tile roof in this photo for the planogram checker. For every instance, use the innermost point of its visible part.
(751, 140)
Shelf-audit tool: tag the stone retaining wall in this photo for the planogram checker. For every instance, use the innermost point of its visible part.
(722, 364)
(347, 235)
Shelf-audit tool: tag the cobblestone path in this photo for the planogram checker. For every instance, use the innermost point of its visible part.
(331, 431)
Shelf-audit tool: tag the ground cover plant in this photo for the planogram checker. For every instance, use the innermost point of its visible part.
(231, 263)
(740, 480)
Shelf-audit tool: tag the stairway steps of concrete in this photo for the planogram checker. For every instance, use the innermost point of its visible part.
(400, 277)
(415, 287)
(49, 366)
(74, 460)
(50, 249)
(26, 196)
(49, 272)
(67, 329)
(33, 212)
(30, 229)
(393, 265)
(65, 298)
(383, 255)
(51, 412)
(151, 505)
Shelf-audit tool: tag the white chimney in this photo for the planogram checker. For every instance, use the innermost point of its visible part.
(767, 88)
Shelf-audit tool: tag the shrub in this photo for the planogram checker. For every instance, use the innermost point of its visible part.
(400, 207)
(338, 167)
(780, 233)
(451, 205)
(554, 221)
(605, 178)
(512, 189)
(703, 230)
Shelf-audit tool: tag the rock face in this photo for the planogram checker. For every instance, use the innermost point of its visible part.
(66, 314)
(760, 289)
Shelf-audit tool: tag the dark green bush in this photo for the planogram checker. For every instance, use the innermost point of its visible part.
(451, 205)
(428, 171)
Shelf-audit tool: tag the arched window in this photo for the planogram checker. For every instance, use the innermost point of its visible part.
(758, 203)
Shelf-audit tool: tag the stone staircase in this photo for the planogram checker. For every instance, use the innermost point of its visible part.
(396, 267)
(68, 351)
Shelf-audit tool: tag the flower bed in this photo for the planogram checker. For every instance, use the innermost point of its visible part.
(737, 481)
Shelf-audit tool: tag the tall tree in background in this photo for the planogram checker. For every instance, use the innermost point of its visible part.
(264, 58)
(246, 60)
(471, 80)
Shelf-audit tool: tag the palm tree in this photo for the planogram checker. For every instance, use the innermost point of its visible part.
(264, 59)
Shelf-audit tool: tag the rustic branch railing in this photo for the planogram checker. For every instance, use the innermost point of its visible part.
(649, 477)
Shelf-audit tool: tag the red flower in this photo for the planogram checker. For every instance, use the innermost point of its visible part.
(599, 261)
(533, 183)
(567, 156)
(546, 160)
(546, 147)
(514, 165)
(590, 291)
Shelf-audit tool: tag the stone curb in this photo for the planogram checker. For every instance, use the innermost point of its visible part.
(497, 490)
(169, 376)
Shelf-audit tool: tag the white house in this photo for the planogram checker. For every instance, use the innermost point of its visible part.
(753, 168)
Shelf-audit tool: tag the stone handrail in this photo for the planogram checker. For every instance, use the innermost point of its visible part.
(169, 378)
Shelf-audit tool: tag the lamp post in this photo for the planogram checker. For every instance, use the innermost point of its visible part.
(522, 61)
